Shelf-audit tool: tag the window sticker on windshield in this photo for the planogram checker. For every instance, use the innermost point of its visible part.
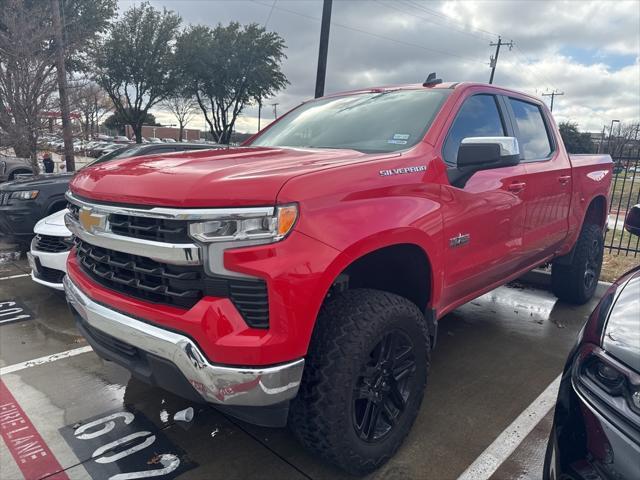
(401, 136)
(397, 142)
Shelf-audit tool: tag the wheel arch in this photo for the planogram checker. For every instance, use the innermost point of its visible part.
(362, 265)
(56, 203)
(18, 171)
(596, 213)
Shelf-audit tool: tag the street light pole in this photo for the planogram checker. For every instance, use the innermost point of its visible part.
(610, 134)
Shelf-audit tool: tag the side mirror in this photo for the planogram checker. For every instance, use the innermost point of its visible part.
(632, 222)
(483, 153)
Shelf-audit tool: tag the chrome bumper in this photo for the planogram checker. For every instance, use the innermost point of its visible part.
(254, 386)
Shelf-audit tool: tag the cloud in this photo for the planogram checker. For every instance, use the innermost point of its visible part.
(588, 50)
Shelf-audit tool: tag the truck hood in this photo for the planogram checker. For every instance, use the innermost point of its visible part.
(53, 225)
(243, 176)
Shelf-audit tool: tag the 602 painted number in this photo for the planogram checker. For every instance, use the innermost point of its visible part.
(106, 424)
(9, 312)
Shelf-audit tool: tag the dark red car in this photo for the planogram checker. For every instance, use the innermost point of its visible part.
(596, 432)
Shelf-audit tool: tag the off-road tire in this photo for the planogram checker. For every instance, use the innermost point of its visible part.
(569, 282)
(349, 327)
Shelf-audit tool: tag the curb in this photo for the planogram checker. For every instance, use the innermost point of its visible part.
(542, 278)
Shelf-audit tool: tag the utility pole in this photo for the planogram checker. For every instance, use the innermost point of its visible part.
(324, 47)
(601, 139)
(259, 111)
(493, 61)
(553, 95)
(275, 110)
(610, 135)
(62, 87)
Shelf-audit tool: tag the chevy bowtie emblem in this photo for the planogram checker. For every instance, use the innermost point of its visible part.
(89, 220)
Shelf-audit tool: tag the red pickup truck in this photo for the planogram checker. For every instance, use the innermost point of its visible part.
(300, 277)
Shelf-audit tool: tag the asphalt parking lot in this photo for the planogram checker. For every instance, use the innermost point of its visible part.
(495, 357)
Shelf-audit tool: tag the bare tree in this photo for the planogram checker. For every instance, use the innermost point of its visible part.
(91, 102)
(626, 136)
(27, 77)
(183, 108)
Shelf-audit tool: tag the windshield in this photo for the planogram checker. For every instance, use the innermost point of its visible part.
(369, 122)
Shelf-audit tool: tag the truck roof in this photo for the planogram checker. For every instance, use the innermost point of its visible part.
(440, 86)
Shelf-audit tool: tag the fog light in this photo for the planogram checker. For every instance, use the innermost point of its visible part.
(635, 398)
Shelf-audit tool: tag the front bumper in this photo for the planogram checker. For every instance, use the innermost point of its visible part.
(18, 219)
(217, 384)
(54, 267)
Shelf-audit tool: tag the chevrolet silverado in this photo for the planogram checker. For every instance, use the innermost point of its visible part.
(300, 277)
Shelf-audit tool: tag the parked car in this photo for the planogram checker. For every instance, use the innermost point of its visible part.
(111, 148)
(169, 140)
(49, 250)
(10, 167)
(596, 428)
(24, 202)
(99, 149)
(154, 140)
(121, 139)
(300, 278)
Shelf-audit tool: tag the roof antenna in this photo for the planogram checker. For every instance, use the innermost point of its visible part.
(432, 80)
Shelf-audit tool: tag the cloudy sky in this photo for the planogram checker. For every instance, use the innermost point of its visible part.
(588, 50)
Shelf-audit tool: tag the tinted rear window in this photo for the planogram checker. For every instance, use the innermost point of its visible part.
(533, 138)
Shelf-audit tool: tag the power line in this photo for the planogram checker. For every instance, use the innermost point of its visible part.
(371, 34)
(430, 20)
(529, 63)
(447, 18)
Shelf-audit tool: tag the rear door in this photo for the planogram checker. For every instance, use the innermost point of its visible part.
(484, 218)
(548, 180)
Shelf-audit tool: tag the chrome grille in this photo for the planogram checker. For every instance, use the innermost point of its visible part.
(4, 198)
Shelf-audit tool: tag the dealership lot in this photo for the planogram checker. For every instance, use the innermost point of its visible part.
(495, 356)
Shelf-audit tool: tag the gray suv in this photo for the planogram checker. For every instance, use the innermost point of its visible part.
(12, 166)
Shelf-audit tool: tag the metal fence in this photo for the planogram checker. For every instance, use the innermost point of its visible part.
(624, 195)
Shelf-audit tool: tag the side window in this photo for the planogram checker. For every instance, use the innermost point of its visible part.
(533, 138)
(478, 117)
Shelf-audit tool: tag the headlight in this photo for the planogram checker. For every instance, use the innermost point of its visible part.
(270, 224)
(3, 166)
(24, 195)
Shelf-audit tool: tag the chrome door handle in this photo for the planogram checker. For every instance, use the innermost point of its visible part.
(565, 179)
(517, 187)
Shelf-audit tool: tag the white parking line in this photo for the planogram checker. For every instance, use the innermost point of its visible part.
(15, 276)
(502, 447)
(43, 360)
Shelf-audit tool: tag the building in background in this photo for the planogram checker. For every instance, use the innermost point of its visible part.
(188, 134)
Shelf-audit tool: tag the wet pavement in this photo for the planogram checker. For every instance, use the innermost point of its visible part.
(494, 356)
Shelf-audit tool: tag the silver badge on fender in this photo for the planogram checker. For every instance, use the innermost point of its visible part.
(458, 240)
(402, 170)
